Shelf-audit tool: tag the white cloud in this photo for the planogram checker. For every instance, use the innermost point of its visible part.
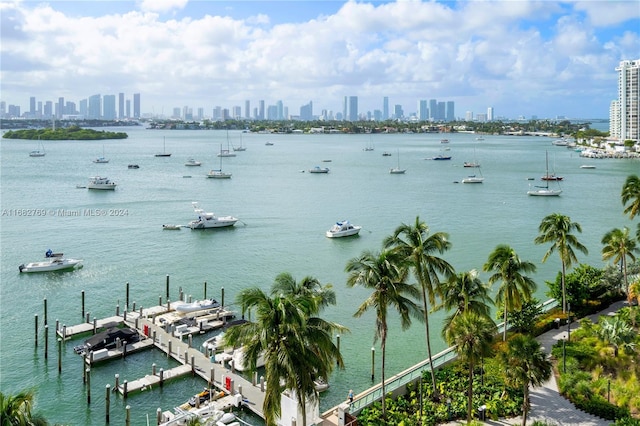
(475, 53)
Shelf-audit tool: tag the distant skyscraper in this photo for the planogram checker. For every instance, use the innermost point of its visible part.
(345, 108)
(109, 107)
(398, 113)
(32, 106)
(306, 112)
(128, 113)
(60, 107)
(385, 108)
(468, 116)
(433, 109)
(451, 113)
(48, 109)
(247, 109)
(442, 110)
(136, 105)
(423, 110)
(280, 113)
(490, 114)
(95, 107)
(120, 106)
(353, 108)
(624, 114)
(261, 110)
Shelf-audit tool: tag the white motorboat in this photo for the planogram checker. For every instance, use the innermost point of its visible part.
(97, 182)
(343, 229)
(192, 162)
(320, 385)
(318, 169)
(210, 220)
(198, 305)
(53, 262)
(239, 363)
(473, 179)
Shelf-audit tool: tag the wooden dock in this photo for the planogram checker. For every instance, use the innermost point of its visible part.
(154, 333)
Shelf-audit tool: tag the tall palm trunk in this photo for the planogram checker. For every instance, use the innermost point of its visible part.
(504, 331)
(383, 345)
(525, 404)
(426, 325)
(470, 391)
(564, 290)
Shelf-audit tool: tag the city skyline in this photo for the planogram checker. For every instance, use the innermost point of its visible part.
(524, 58)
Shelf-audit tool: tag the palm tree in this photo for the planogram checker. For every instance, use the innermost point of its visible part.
(471, 335)
(465, 292)
(618, 245)
(615, 331)
(525, 364)
(297, 345)
(631, 195)
(16, 410)
(516, 287)
(385, 273)
(417, 245)
(556, 229)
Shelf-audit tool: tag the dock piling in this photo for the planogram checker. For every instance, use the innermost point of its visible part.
(95, 325)
(46, 341)
(125, 388)
(161, 377)
(36, 331)
(127, 295)
(167, 286)
(205, 289)
(153, 369)
(118, 310)
(57, 325)
(45, 311)
(127, 420)
(159, 415)
(117, 381)
(88, 386)
(193, 364)
(82, 298)
(190, 340)
(169, 349)
(86, 317)
(211, 376)
(222, 296)
(124, 315)
(64, 332)
(84, 370)
(107, 398)
(59, 355)
(134, 306)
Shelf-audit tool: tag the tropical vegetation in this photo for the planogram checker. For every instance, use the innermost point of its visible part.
(18, 410)
(296, 344)
(75, 133)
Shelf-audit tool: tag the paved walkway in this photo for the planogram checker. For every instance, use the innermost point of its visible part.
(546, 402)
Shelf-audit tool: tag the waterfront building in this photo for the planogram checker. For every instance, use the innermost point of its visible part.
(490, 114)
(624, 113)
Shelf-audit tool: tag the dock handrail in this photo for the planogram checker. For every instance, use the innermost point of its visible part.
(411, 374)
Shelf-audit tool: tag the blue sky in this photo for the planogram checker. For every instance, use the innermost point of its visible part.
(523, 58)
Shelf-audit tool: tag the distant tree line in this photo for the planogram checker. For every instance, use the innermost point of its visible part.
(68, 133)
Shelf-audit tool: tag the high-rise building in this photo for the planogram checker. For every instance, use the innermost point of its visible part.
(451, 111)
(60, 107)
(353, 108)
(345, 108)
(280, 113)
(423, 110)
(442, 110)
(84, 108)
(136, 105)
(32, 106)
(109, 107)
(385, 108)
(624, 114)
(128, 113)
(306, 112)
(120, 106)
(95, 107)
(433, 110)
(261, 110)
(490, 114)
(48, 109)
(247, 109)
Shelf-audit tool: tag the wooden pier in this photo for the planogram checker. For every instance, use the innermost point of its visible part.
(152, 324)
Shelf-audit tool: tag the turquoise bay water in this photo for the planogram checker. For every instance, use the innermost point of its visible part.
(284, 212)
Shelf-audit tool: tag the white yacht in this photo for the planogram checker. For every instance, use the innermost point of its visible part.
(97, 182)
(343, 229)
(53, 262)
(210, 220)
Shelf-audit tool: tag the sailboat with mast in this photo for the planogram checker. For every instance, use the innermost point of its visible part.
(218, 173)
(102, 159)
(38, 152)
(475, 178)
(227, 152)
(397, 170)
(545, 191)
(240, 148)
(164, 152)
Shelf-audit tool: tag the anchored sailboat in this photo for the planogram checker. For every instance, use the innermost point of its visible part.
(545, 191)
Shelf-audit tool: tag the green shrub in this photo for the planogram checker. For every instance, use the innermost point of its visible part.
(598, 406)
